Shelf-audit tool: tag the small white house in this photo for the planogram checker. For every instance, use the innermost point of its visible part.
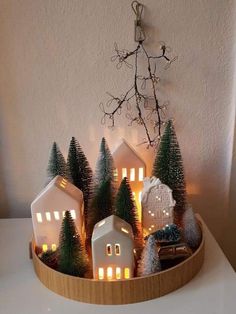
(48, 210)
(157, 205)
(112, 249)
(129, 164)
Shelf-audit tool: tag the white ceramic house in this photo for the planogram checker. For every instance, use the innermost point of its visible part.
(129, 164)
(157, 205)
(48, 210)
(112, 249)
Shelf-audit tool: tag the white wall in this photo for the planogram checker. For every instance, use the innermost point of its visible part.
(55, 70)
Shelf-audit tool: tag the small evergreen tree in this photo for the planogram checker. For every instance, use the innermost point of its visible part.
(105, 165)
(81, 173)
(101, 206)
(56, 164)
(149, 262)
(192, 231)
(168, 167)
(125, 207)
(72, 258)
(170, 234)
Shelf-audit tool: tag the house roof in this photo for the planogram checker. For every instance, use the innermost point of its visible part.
(62, 184)
(129, 147)
(109, 224)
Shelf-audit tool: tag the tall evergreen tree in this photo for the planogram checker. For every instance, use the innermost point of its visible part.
(125, 207)
(168, 167)
(101, 206)
(80, 171)
(72, 258)
(105, 165)
(56, 164)
(149, 262)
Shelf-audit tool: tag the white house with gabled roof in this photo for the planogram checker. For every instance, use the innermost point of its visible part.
(112, 249)
(157, 205)
(129, 164)
(48, 210)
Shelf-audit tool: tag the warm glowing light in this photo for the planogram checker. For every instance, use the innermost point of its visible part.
(63, 213)
(132, 174)
(124, 230)
(101, 223)
(115, 174)
(140, 174)
(56, 215)
(118, 273)
(167, 214)
(39, 217)
(109, 249)
(62, 185)
(149, 212)
(73, 215)
(48, 216)
(44, 247)
(124, 172)
(100, 273)
(164, 211)
(152, 226)
(150, 229)
(127, 273)
(117, 249)
(152, 214)
(109, 273)
(158, 198)
(54, 247)
(140, 196)
(134, 195)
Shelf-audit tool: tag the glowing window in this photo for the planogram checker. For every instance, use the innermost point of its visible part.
(101, 223)
(62, 184)
(48, 216)
(109, 249)
(140, 174)
(109, 273)
(72, 212)
(63, 213)
(118, 273)
(39, 217)
(117, 249)
(152, 214)
(124, 172)
(44, 247)
(100, 273)
(132, 174)
(124, 230)
(133, 195)
(54, 247)
(127, 273)
(115, 174)
(56, 215)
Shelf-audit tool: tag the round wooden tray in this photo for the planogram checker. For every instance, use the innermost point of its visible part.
(123, 291)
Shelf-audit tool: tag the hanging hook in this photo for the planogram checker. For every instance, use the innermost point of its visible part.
(139, 34)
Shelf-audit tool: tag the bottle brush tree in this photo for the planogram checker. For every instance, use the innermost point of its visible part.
(169, 234)
(168, 167)
(105, 165)
(101, 206)
(81, 173)
(192, 231)
(72, 259)
(56, 164)
(149, 262)
(125, 208)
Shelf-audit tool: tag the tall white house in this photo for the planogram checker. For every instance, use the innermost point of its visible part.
(112, 249)
(129, 164)
(157, 205)
(48, 210)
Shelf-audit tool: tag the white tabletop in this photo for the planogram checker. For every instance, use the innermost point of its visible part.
(213, 290)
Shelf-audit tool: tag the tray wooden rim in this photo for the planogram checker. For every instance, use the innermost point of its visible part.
(127, 291)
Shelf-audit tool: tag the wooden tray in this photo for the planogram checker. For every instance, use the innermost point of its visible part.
(123, 291)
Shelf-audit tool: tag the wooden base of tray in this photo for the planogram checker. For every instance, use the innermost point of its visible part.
(123, 291)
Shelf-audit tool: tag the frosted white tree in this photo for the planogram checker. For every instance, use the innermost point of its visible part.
(105, 165)
(149, 262)
(192, 231)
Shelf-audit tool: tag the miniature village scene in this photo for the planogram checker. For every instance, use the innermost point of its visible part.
(115, 223)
